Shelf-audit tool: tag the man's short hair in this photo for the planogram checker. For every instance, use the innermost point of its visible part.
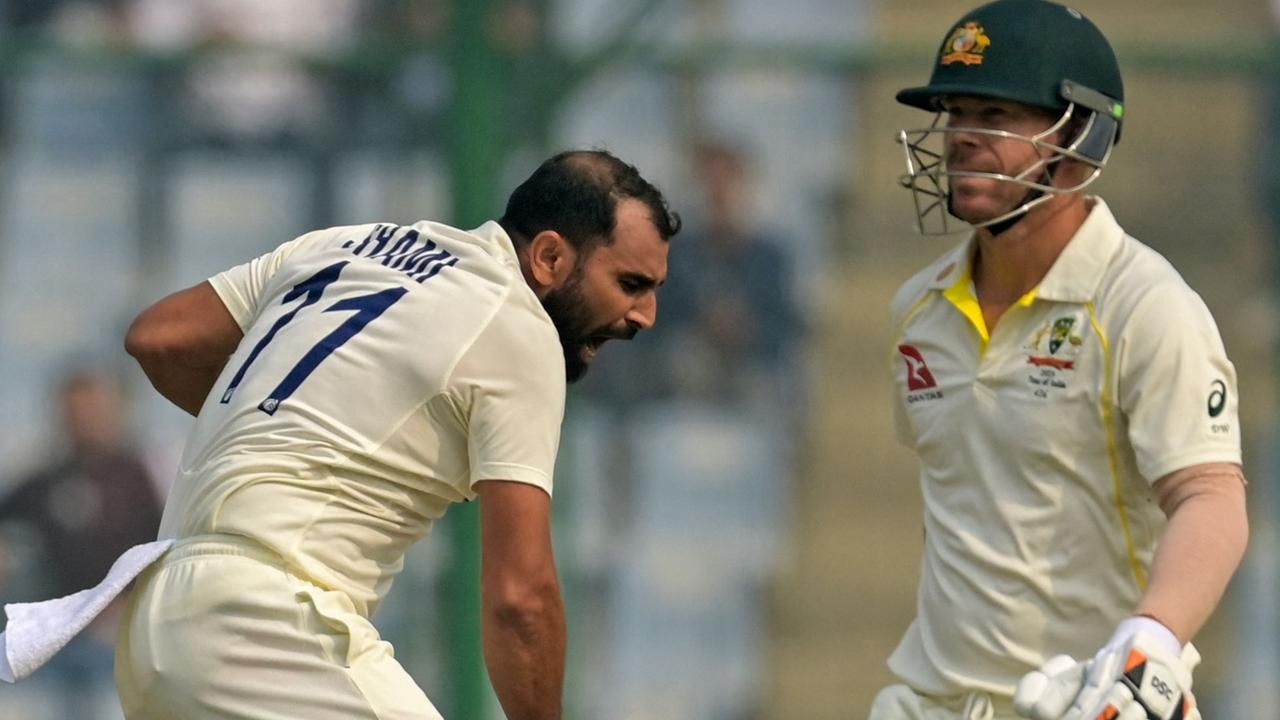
(576, 194)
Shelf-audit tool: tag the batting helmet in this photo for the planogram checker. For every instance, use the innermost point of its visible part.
(1033, 52)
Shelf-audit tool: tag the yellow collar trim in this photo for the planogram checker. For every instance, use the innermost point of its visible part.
(961, 294)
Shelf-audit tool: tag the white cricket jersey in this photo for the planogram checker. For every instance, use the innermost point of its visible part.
(1038, 446)
(384, 370)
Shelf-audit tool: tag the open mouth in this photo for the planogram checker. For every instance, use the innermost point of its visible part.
(592, 345)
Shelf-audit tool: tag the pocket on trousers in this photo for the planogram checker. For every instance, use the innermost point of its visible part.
(346, 634)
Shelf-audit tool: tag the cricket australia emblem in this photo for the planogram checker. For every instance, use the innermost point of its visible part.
(1052, 352)
(966, 45)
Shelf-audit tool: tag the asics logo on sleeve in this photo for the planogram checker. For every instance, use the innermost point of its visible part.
(1217, 398)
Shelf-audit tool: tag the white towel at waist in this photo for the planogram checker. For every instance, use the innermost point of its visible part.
(37, 631)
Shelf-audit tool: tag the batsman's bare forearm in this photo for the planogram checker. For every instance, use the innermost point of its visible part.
(182, 342)
(1201, 548)
(524, 648)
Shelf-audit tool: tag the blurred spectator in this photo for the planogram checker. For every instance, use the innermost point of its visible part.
(730, 332)
(92, 501)
(260, 91)
(696, 530)
(730, 329)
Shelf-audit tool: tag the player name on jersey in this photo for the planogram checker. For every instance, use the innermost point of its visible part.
(412, 254)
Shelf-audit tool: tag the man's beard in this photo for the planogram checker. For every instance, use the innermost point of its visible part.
(568, 310)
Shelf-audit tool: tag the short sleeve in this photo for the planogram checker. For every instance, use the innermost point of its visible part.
(241, 287)
(511, 383)
(903, 431)
(1175, 385)
(906, 302)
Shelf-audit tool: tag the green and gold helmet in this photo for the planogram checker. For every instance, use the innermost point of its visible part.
(1034, 52)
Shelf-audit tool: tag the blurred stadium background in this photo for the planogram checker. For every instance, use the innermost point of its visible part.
(738, 532)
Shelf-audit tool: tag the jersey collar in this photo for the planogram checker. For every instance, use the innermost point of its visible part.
(493, 232)
(955, 266)
(1076, 273)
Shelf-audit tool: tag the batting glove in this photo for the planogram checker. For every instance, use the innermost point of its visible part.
(1143, 673)
(1047, 693)
(1138, 680)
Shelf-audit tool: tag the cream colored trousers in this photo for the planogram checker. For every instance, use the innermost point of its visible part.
(899, 702)
(219, 629)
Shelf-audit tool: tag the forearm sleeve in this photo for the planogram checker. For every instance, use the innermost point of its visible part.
(1202, 546)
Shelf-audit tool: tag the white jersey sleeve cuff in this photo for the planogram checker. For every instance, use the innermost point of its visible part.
(513, 473)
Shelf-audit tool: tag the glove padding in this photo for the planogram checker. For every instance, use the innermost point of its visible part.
(1131, 681)
(1045, 694)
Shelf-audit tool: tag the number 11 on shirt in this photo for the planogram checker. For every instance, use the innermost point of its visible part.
(366, 307)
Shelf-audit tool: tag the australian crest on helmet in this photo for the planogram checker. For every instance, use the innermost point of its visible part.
(966, 44)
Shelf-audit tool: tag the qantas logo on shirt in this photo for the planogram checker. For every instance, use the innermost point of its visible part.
(918, 375)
